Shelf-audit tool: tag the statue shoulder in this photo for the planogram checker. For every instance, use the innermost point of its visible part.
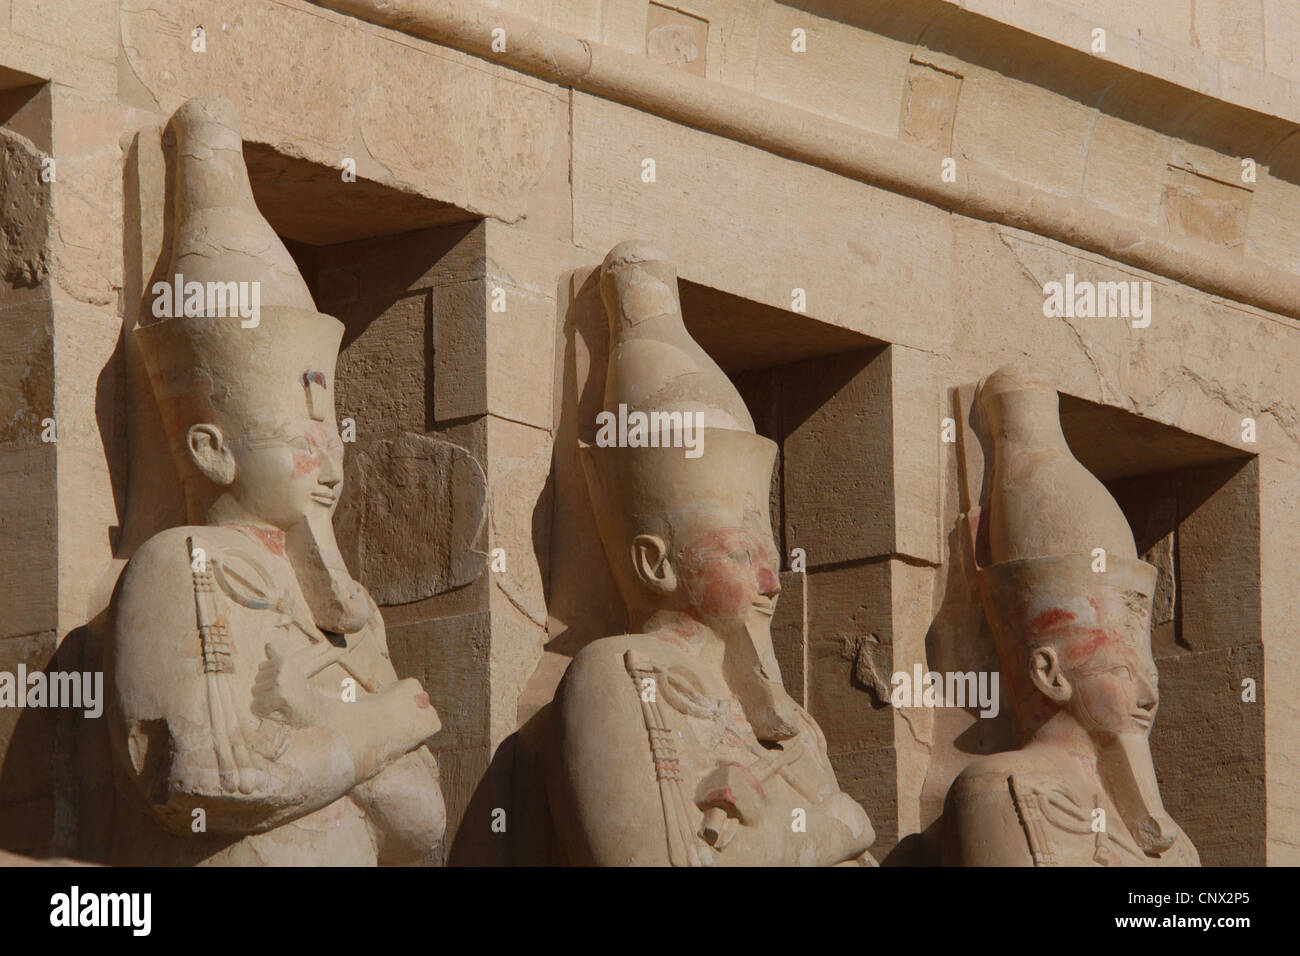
(620, 659)
(157, 585)
(156, 654)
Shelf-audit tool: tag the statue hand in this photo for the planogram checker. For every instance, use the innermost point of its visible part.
(282, 687)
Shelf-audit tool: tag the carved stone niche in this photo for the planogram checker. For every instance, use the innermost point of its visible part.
(813, 389)
(255, 716)
(1190, 508)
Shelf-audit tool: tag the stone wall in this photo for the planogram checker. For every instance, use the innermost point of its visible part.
(489, 180)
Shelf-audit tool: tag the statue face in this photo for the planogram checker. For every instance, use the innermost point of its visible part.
(1115, 690)
(730, 574)
(293, 474)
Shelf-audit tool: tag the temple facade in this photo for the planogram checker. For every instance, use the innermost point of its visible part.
(996, 304)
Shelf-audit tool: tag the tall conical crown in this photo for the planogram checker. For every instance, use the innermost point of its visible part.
(220, 235)
(1047, 516)
(654, 364)
(248, 375)
(656, 367)
(1042, 502)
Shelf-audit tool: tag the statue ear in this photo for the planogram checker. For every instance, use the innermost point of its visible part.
(1045, 671)
(209, 451)
(651, 563)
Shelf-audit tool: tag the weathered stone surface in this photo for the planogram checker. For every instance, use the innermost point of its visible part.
(838, 491)
(411, 517)
(499, 178)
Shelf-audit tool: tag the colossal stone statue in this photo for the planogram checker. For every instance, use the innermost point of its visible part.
(677, 744)
(255, 715)
(1069, 604)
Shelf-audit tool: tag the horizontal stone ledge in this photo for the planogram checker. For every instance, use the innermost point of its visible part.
(858, 154)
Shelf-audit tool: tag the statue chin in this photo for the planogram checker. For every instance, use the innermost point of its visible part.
(1130, 777)
(753, 675)
(338, 602)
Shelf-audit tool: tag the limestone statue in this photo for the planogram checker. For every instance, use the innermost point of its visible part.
(1069, 604)
(255, 715)
(677, 744)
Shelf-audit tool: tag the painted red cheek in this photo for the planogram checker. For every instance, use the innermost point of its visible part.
(722, 599)
(304, 463)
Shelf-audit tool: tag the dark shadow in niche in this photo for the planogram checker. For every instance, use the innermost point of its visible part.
(39, 778)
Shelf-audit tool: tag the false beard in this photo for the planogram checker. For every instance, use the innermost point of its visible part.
(1130, 778)
(751, 671)
(337, 601)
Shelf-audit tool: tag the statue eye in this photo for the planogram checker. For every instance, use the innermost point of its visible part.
(300, 443)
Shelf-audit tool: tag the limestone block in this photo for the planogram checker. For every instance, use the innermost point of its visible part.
(519, 464)
(1107, 360)
(839, 63)
(26, 371)
(1203, 691)
(579, 18)
(1173, 60)
(388, 267)
(386, 376)
(916, 433)
(29, 519)
(911, 612)
(842, 242)
(1282, 29)
(1274, 93)
(490, 139)
(460, 350)
(1071, 26)
(1279, 495)
(88, 28)
(929, 107)
(1274, 232)
(991, 113)
(316, 66)
(86, 247)
(37, 59)
(451, 659)
(25, 199)
(678, 39)
(1219, 563)
(868, 777)
(839, 471)
(1124, 167)
(517, 646)
(850, 658)
(410, 519)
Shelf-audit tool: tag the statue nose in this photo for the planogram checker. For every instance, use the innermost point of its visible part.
(1147, 695)
(769, 585)
(330, 472)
